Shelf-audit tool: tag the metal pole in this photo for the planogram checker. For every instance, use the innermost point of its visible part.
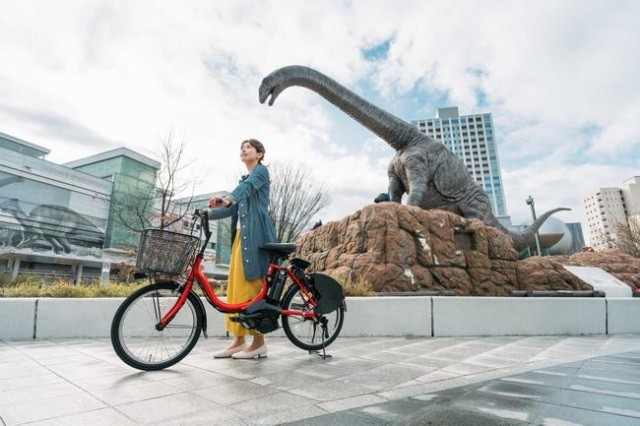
(531, 203)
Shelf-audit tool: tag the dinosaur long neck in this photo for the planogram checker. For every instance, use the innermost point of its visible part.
(394, 131)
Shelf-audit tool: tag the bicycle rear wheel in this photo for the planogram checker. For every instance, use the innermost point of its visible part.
(133, 331)
(306, 333)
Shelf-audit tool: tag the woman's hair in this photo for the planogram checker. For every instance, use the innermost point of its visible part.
(259, 147)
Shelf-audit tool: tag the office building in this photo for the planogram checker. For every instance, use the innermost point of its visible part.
(59, 220)
(75, 220)
(472, 139)
(631, 195)
(607, 208)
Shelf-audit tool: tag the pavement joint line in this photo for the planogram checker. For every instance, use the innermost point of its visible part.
(486, 375)
(557, 404)
(595, 392)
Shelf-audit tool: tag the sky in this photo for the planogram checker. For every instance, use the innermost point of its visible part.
(560, 78)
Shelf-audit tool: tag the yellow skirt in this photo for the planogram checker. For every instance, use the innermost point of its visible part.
(239, 289)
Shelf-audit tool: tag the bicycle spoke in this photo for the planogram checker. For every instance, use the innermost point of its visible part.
(308, 333)
(156, 305)
(140, 341)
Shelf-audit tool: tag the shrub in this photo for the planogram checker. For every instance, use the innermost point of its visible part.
(21, 279)
(355, 288)
(29, 286)
(32, 287)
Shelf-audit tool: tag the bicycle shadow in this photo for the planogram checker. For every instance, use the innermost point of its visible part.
(135, 377)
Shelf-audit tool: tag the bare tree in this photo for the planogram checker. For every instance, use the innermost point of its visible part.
(295, 198)
(628, 237)
(146, 204)
(173, 162)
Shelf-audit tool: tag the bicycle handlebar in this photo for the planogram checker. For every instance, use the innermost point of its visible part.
(204, 220)
(202, 214)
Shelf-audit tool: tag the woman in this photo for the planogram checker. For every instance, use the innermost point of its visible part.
(251, 226)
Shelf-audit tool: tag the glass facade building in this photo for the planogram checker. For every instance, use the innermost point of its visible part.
(133, 178)
(472, 139)
(58, 220)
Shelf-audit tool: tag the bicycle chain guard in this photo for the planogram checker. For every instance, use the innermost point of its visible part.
(262, 316)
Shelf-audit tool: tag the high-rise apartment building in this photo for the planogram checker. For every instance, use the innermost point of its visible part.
(631, 195)
(472, 139)
(604, 208)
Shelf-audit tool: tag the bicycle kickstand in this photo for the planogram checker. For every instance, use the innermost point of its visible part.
(324, 333)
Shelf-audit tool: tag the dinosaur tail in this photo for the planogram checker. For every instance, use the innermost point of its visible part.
(523, 238)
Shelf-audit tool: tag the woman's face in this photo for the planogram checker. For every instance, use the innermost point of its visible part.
(248, 153)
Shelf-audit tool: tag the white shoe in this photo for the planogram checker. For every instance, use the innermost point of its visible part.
(227, 353)
(260, 352)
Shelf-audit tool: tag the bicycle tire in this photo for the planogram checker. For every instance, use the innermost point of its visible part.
(134, 336)
(297, 328)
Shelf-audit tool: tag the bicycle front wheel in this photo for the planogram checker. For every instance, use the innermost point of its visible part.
(307, 333)
(133, 331)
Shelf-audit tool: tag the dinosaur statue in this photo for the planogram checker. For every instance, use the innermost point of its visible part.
(55, 224)
(431, 175)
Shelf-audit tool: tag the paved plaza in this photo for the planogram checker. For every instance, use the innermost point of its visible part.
(554, 380)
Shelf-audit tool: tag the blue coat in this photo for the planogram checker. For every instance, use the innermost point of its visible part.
(250, 204)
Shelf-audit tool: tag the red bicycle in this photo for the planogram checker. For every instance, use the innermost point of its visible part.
(159, 324)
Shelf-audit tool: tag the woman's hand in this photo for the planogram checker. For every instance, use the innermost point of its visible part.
(219, 202)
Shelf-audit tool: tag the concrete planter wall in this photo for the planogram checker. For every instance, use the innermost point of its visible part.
(45, 318)
(475, 316)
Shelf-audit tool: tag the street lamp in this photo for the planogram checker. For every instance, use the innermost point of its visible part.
(531, 203)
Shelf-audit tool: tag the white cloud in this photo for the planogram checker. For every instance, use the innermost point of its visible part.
(86, 76)
(554, 183)
(621, 134)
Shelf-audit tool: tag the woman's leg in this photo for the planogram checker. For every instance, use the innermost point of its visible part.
(239, 290)
(237, 341)
(258, 340)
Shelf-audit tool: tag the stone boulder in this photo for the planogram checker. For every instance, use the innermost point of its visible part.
(622, 266)
(394, 247)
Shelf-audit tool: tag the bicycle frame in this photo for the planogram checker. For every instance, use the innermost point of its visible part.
(196, 274)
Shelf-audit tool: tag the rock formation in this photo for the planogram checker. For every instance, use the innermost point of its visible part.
(622, 266)
(394, 247)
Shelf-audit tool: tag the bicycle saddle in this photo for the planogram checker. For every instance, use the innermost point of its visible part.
(279, 248)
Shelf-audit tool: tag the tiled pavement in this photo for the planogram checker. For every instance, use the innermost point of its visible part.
(555, 380)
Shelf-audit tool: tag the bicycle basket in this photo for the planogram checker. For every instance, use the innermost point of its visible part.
(165, 251)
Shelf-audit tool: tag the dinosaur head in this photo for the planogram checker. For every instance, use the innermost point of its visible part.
(271, 86)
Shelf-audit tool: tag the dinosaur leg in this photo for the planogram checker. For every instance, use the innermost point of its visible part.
(417, 175)
(55, 245)
(396, 189)
(65, 244)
